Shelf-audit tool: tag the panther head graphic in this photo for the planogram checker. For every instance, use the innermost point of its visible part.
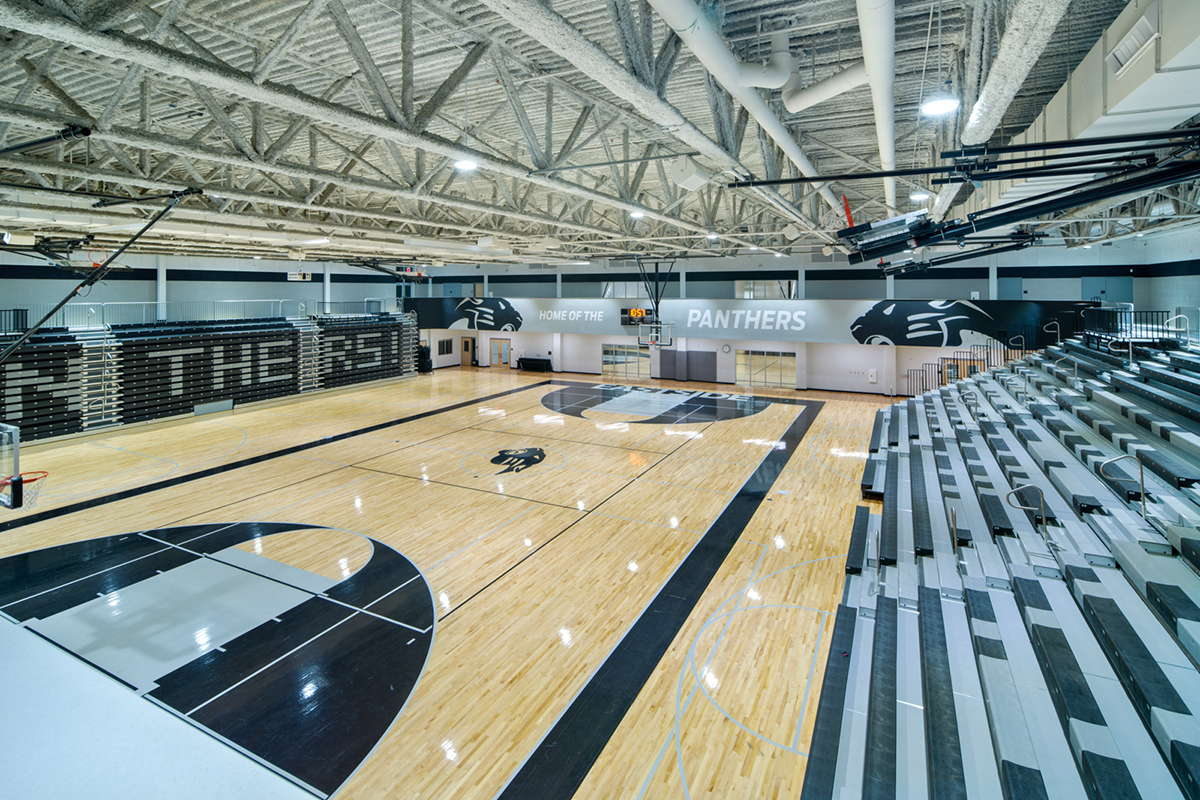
(517, 460)
(489, 314)
(936, 323)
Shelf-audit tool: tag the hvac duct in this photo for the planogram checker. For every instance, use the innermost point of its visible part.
(1149, 87)
(1026, 34)
(686, 19)
(776, 71)
(797, 98)
(877, 23)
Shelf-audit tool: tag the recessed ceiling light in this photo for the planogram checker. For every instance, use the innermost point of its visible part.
(939, 105)
(919, 196)
(465, 165)
(636, 214)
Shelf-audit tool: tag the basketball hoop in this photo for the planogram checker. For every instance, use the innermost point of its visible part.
(25, 490)
(96, 262)
(652, 340)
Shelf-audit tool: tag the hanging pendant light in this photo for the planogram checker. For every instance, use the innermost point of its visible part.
(466, 164)
(942, 102)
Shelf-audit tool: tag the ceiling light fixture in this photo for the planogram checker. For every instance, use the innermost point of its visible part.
(465, 165)
(712, 235)
(944, 102)
(919, 196)
(637, 214)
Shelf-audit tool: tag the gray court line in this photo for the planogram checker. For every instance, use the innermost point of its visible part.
(304, 499)
(812, 666)
(683, 671)
(501, 526)
(671, 736)
(599, 513)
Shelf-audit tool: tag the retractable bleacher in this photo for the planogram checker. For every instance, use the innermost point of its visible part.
(1012, 626)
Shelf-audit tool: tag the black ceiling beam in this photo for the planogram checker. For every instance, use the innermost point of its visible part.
(930, 234)
(65, 135)
(1065, 144)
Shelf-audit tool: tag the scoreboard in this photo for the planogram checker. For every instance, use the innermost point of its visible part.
(637, 316)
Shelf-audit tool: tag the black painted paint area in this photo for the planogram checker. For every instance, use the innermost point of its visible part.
(318, 712)
(26, 574)
(204, 678)
(112, 580)
(310, 692)
(561, 761)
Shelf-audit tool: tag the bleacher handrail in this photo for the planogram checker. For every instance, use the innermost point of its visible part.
(1024, 398)
(1128, 349)
(974, 396)
(1141, 474)
(1041, 502)
(1075, 362)
(1057, 330)
(1187, 329)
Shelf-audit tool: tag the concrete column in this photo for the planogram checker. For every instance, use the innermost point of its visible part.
(891, 287)
(326, 290)
(558, 284)
(800, 284)
(993, 282)
(683, 284)
(160, 286)
(429, 288)
(486, 291)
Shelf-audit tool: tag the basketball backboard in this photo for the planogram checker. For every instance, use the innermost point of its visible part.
(10, 445)
(657, 334)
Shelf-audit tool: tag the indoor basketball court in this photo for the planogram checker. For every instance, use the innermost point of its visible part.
(463, 585)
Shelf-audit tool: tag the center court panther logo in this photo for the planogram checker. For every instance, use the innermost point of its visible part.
(521, 459)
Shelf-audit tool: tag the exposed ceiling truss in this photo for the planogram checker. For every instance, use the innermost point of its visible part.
(310, 120)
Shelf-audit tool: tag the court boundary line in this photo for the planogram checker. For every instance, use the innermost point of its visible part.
(540, 765)
(179, 480)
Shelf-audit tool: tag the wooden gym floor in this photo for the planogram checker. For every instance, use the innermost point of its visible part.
(623, 608)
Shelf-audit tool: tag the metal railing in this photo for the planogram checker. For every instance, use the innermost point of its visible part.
(1041, 510)
(1141, 474)
(1119, 346)
(1024, 398)
(1075, 362)
(1187, 329)
(1055, 328)
(974, 397)
(1127, 324)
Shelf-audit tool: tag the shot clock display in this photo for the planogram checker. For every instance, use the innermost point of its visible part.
(637, 316)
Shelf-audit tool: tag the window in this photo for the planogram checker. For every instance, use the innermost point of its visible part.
(624, 289)
(759, 368)
(445, 347)
(766, 290)
(625, 361)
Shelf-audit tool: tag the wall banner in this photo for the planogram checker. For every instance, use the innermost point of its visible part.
(921, 323)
